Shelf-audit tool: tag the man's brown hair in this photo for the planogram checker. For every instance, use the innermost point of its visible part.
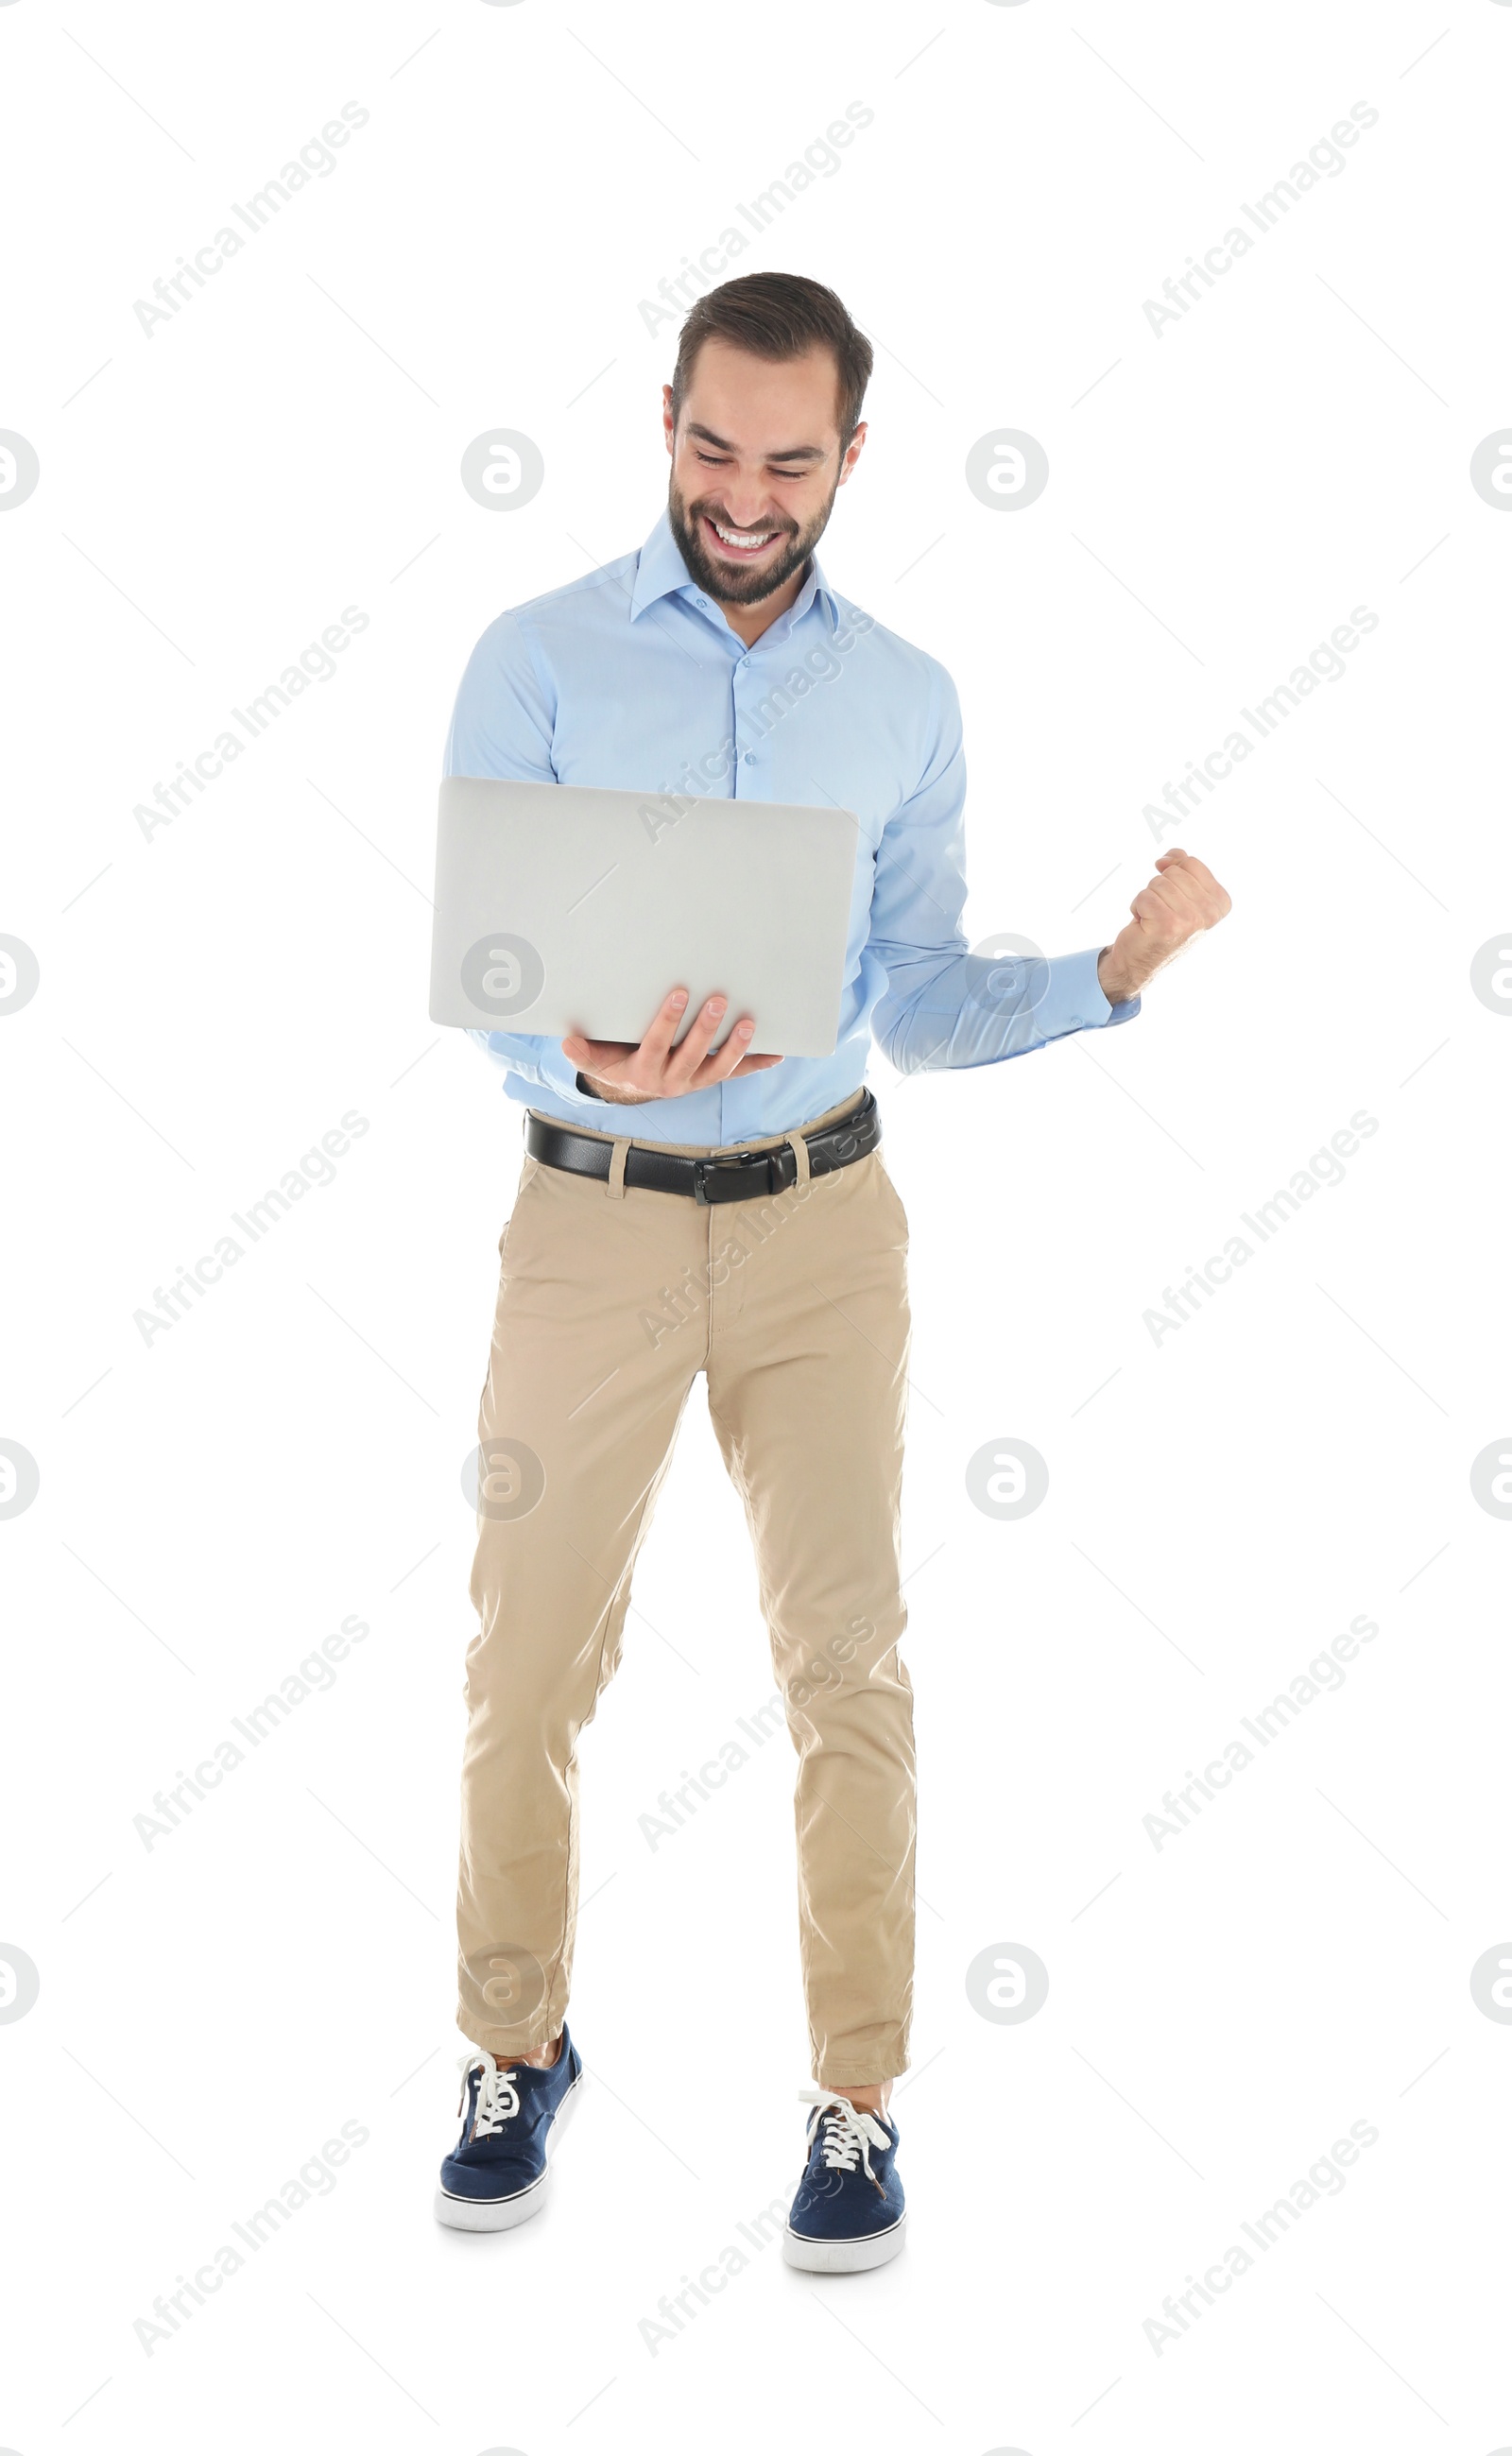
(778, 316)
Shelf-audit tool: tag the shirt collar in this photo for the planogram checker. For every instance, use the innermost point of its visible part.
(662, 572)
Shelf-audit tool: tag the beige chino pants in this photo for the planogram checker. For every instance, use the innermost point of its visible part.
(612, 1299)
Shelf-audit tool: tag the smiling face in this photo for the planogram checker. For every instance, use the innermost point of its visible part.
(756, 464)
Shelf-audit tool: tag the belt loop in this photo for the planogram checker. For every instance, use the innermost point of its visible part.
(617, 1159)
(800, 1151)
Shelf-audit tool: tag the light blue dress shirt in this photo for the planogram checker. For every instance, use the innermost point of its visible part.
(631, 677)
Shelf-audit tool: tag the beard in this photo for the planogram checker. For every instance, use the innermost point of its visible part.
(728, 583)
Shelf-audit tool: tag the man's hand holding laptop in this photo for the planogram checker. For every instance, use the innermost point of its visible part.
(656, 1071)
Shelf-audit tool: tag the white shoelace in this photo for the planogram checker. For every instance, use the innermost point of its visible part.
(848, 2130)
(497, 2097)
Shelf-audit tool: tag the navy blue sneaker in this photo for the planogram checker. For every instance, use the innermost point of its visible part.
(848, 2212)
(496, 2177)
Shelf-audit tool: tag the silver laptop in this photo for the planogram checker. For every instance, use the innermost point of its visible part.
(567, 908)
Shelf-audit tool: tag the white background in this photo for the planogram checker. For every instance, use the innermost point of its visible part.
(1220, 1504)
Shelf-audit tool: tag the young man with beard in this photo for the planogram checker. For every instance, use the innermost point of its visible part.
(718, 659)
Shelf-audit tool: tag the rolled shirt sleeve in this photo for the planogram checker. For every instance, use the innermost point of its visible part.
(943, 1006)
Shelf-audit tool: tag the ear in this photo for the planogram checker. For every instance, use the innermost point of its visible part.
(669, 426)
(852, 453)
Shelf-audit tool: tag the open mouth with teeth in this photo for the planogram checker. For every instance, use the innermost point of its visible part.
(741, 545)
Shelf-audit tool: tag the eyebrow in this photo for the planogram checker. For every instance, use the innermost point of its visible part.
(795, 452)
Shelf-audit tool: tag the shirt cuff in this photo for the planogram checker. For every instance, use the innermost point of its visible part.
(558, 1075)
(1074, 1000)
(532, 1058)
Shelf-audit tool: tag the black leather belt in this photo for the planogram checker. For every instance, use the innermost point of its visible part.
(745, 1176)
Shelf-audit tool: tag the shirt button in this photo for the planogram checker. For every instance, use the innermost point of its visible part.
(750, 758)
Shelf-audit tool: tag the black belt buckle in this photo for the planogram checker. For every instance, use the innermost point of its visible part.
(749, 1164)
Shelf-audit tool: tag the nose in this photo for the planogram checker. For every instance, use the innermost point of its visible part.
(747, 502)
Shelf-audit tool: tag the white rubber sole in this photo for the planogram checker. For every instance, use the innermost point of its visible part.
(832, 2259)
(497, 2217)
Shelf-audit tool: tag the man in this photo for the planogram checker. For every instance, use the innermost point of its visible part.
(687, 1208)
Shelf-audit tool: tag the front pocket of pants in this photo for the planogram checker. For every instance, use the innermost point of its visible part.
(528, 1174)
(894, 1200)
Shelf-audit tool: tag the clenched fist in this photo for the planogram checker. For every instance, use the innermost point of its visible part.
(1179, 903)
